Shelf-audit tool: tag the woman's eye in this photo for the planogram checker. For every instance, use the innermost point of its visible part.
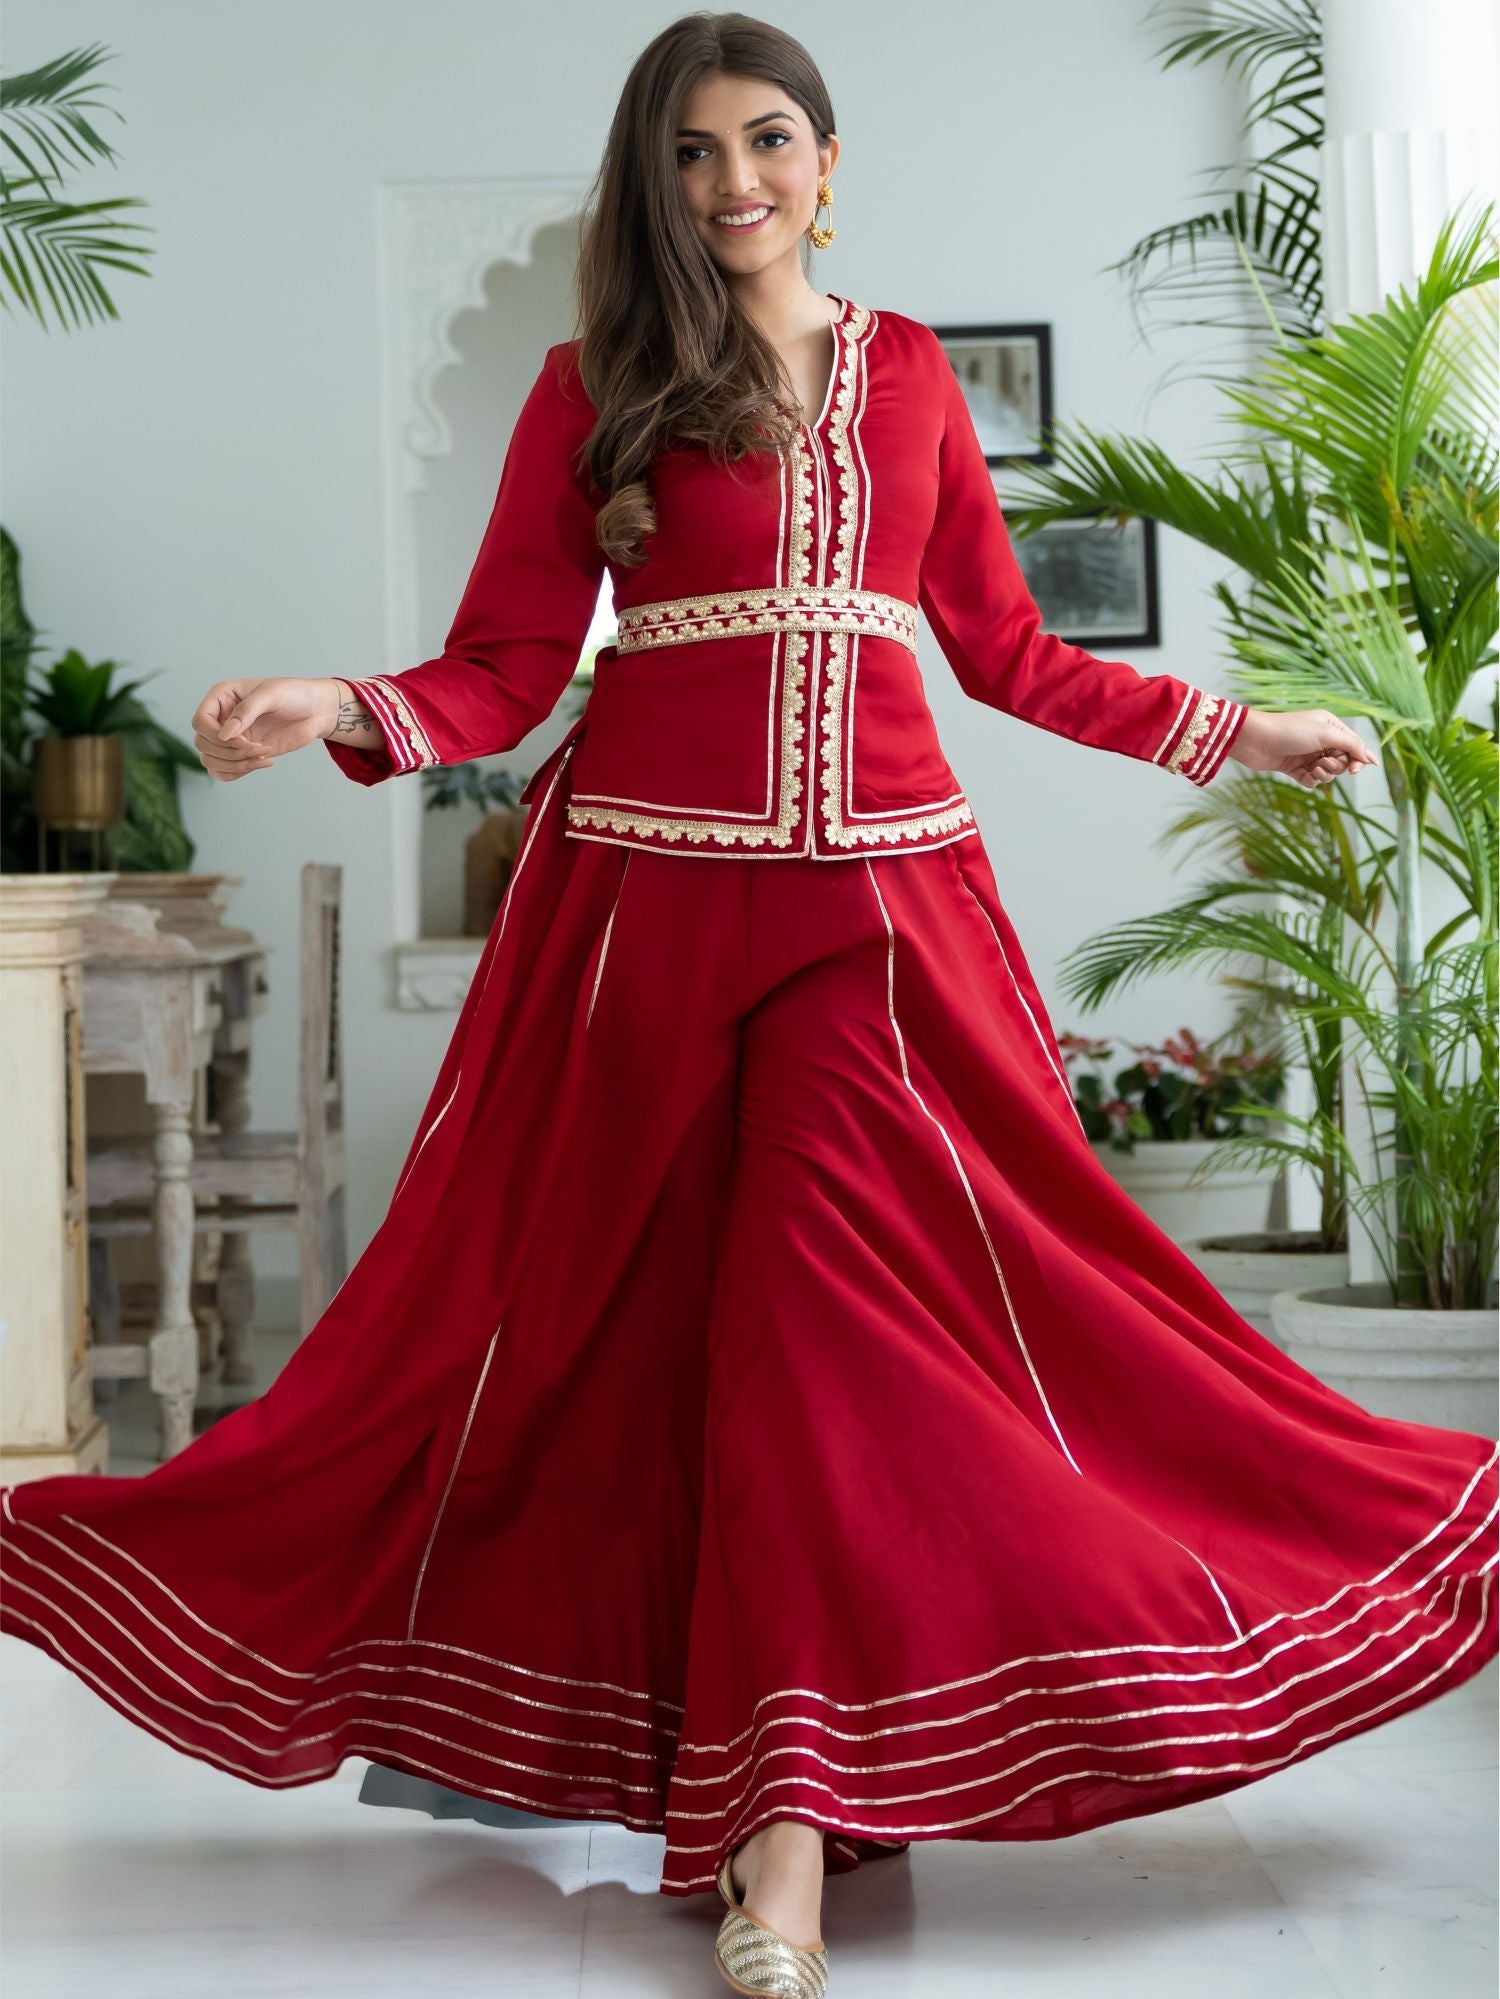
(683, 151)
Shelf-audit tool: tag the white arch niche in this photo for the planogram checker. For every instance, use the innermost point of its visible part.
(436, 241)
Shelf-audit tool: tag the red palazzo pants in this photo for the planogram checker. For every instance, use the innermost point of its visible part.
(758, 1401)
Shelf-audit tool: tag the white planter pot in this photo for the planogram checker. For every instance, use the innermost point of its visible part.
(1249, 1269)
(1235, 1200)
(1395, 1360)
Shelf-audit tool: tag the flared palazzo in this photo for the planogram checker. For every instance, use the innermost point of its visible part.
(759, 1401)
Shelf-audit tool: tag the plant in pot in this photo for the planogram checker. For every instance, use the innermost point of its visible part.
(1284, 897)
(60, 257)
(101, 763)
(1159, 1120)
(1366, 527)
(491, 849)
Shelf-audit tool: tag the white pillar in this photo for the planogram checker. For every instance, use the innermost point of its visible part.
(1411, 136)
(1410, 103)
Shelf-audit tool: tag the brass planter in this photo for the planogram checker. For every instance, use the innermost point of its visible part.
(78, 782)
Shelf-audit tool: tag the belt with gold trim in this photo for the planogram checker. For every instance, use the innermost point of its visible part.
(735, 614)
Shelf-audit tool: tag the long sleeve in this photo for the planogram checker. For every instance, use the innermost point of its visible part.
(974, 595)
(525, 611)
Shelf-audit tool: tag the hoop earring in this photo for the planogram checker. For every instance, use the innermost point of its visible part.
(822, 237)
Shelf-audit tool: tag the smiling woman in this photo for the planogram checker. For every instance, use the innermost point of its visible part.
(760, 1419)
(757, 177)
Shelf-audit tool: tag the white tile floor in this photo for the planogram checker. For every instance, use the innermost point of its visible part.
(131, 1870)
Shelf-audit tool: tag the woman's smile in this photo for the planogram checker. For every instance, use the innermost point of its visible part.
(742, 219)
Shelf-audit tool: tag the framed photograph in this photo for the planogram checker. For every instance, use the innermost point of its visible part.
(1006, 372)
(1095, 582)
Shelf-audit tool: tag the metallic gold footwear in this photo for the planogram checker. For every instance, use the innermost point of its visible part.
(757, 1959)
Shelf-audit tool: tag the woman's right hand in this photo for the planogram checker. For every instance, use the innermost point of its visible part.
(244, 725)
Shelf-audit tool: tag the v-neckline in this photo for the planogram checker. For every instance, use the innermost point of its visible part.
(836, 326)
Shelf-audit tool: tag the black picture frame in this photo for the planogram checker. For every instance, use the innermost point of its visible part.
(1006, 371)
(1095, 581)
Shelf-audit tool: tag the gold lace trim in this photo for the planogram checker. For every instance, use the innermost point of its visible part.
(1187, 743)
(870, 832)
(939, 819)
(777, 833)
(416, 735)
(733, 614)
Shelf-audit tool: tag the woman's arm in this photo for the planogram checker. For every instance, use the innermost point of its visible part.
(974, 595)
(518, 633)
(513, 646)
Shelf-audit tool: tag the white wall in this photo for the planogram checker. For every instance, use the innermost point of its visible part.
(195, 488)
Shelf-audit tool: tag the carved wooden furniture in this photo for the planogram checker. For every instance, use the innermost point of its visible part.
(254, 1179)
(47, 1419)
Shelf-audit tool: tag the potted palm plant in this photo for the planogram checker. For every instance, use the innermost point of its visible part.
(1362, 512)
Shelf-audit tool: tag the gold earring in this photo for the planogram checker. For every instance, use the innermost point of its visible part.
(822, 237)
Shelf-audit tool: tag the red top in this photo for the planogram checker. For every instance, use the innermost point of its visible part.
(763, 696)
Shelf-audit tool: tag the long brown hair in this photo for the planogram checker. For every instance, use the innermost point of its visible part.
(667, 355)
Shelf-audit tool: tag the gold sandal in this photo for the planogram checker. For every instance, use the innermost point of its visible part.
(757, 1959)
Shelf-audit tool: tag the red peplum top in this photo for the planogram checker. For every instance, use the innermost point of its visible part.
(764, 695)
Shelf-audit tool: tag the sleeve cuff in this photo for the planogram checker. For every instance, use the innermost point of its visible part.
(1201, 736)
(405, 745)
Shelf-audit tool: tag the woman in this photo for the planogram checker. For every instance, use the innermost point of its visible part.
(759, 1417)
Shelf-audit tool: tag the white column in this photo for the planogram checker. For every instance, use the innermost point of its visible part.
(1410, 101)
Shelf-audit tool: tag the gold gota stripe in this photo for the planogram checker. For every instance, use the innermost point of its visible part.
(928, 1826)
(363, 1747)
(365, 1727)
(1149, 1776)
(292, 1673)
(1192, 735)
(416, 735)
(737, 614)
(659, 1759)
(1444, 1575)
(1205, 1649)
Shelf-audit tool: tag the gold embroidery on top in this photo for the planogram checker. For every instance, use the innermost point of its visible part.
(944, 817)
(1192, 735)
(670, 826)
(681, 620)
(841, 832)
(696, 831)
(797, 607)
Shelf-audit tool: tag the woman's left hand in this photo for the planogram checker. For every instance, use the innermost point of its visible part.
(1308, 744)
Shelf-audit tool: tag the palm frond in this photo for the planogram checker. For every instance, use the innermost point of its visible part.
(1463, 765)
(1245, 35)
(1189, 933)
(1257, 523)
(57, 249)
(1256, 248)
(1274, 224)
(64, 135)
(1361, 400)
(1334, 643)
(53, 252)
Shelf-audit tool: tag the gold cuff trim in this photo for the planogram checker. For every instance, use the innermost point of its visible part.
(1193, 734)
(416, 735)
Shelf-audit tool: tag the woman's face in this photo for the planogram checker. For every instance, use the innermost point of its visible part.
(744, 147)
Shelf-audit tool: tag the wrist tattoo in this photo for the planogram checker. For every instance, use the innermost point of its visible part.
(355, 722)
